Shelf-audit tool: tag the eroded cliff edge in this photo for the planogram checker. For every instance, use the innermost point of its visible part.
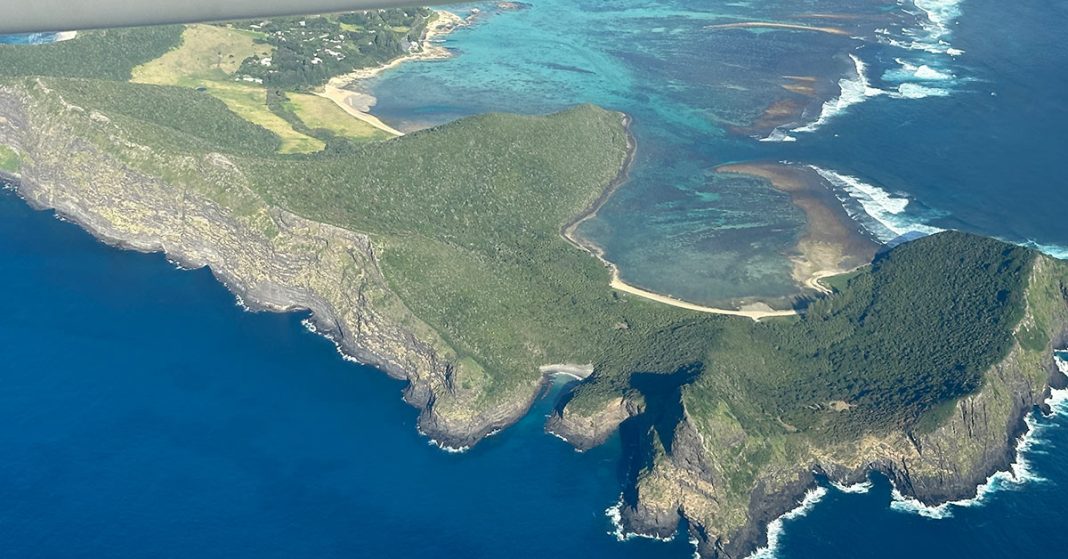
(729, 472)
(474, 268)
(78, 162)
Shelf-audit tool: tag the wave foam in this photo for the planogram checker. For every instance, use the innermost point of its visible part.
(615, 514)
(853, 90)
(856, 488)
(934, 29)
(1055, 251)
(775, 528)
(920, 72)
(917, 91)
(885, 212)
(1018, 474)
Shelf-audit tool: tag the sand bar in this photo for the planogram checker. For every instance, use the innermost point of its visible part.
(832, 243)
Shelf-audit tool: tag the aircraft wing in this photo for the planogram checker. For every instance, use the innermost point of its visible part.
(32, 16)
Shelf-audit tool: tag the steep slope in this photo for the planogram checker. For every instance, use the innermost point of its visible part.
(778, 406)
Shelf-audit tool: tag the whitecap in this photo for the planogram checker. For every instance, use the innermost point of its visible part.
(775, 527)
(853, 90)
(447, 448)
(917, 91)
(309, 325)
(932, 31)
(916, 72)
(925, 72)
(883, 213)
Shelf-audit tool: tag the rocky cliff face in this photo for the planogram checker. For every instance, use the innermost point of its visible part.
(697, 477)
(271, 259)
(585, 430)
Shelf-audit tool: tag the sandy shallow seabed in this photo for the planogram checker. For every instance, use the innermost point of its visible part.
(754, 311)
(832, 244)
(358, 104)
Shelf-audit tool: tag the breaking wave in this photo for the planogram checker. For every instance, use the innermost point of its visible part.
(778, 135)
(856, 488)
(917, 91)
(878, 211)
(933, 30)
(36, 38)
(775, 528)
(1055, 251)
(922, 72)
(853, 90)
(1018, 475)
(615, 515)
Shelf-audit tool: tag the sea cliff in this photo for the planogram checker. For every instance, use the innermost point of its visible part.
(270, 258)
(692, 473)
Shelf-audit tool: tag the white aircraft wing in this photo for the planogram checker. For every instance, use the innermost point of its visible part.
(32, 16)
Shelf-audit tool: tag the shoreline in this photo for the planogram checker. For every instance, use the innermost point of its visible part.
(1012, 470)
(358, 104)
(569, 232)
(322, 319)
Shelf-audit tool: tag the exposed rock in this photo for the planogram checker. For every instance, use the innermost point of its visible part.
(687, 478)
(587, 430)
(271, 259)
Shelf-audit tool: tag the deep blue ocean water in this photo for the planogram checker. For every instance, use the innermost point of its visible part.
(144, 414)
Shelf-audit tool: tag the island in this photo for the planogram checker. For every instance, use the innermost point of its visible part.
(447, 258)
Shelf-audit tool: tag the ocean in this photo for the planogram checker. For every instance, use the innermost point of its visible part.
(146, 414)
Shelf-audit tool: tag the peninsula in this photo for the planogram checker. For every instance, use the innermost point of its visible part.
(439, 257)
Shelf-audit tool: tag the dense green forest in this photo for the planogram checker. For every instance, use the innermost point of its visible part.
(915, 330)
(110, 54)
(466, 220)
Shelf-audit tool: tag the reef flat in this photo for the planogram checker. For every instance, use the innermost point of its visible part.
(438, 257)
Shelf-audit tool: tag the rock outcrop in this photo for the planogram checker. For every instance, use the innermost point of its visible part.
(270, 258)
(692, 478)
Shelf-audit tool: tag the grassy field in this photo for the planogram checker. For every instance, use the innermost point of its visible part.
(319, 113)
(466, 221)
(206, 53)
(206, 60)
(9, 160)
(250, 103)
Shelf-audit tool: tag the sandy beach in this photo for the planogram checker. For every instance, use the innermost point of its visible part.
(359, 104)
(755, 311)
